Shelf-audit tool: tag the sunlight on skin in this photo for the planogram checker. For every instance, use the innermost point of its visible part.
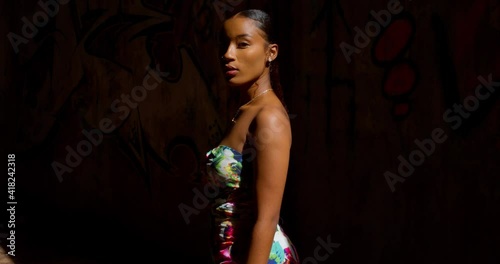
(4, 257)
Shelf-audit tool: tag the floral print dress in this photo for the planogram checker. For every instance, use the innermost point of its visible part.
(233, 212)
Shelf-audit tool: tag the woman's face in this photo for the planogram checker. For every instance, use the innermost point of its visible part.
(244, 50)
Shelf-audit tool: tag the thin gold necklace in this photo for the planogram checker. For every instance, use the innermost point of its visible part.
(251, 100)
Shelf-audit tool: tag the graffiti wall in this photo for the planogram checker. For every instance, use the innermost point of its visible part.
(112, 105)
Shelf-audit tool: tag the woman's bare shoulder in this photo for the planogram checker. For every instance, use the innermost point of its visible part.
(273, 119)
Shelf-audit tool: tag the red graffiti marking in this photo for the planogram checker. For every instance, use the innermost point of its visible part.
(401, 74)
(401, 110)
(400, 80)
(394, 40)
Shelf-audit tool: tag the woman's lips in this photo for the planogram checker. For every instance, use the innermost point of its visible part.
(231, 72)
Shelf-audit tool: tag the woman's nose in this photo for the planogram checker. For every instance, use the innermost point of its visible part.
(228, 55)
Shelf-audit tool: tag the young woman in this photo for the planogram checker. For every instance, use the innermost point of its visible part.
(249, 167)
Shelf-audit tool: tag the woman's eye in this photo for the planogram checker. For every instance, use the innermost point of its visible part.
(242, 44)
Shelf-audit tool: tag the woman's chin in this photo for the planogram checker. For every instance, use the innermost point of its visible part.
(232, 83)
(236, 82)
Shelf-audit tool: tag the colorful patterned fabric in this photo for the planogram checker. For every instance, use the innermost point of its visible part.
(233, 212)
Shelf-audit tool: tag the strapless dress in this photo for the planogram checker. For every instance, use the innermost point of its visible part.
(233, 210)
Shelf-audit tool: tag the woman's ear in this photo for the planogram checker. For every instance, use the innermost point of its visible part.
(273, 52)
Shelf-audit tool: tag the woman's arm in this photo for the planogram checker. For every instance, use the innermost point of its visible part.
(273, 142)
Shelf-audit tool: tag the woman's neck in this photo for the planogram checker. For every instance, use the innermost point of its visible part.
(259, 86)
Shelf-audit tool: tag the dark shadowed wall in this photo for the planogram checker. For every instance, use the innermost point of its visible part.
(112, 105)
